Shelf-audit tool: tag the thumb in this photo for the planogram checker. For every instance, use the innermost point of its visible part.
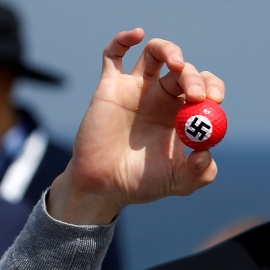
(199, 171)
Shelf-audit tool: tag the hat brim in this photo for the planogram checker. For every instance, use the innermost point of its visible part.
(38, 74)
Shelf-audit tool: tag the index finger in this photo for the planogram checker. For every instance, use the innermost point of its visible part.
(116, 49)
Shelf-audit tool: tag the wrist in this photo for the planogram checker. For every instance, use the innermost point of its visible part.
(70, 205)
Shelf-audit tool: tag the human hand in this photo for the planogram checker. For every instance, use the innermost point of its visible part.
(126, 151)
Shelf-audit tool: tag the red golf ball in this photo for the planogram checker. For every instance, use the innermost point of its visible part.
(201, 125)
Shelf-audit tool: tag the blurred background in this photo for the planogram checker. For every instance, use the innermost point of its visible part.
(229, 38)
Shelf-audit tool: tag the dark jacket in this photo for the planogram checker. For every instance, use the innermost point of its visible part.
(247, 251)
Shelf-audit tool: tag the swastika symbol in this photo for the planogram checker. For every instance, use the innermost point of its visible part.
(198, 128)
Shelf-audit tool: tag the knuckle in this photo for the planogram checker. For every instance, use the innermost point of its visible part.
(213, 79)
(165, 44)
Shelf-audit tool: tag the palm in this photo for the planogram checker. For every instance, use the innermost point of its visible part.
(133, 136)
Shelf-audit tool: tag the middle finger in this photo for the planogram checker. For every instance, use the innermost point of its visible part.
(156, 53)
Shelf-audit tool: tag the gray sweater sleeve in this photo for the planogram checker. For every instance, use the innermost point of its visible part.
(48, 244)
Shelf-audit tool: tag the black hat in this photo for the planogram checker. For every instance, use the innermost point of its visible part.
(11, 50)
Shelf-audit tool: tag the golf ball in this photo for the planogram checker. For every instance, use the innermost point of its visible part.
(201, 125)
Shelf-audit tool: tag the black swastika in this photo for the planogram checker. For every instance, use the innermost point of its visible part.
(198, 129)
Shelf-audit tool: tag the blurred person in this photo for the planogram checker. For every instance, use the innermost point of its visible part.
(29, 158)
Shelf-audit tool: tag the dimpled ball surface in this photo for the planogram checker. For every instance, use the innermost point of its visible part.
(201, 125)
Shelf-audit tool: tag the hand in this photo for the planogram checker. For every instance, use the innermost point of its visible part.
(126, 150)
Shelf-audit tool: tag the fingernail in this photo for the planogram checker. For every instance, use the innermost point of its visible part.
(202, 164)
(177, 58)
(196, 90)
(215, 93)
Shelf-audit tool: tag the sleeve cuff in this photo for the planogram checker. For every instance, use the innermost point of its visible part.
(47, 243)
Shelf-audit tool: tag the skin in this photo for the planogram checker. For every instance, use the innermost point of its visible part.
(126, 151)
(7, 112)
